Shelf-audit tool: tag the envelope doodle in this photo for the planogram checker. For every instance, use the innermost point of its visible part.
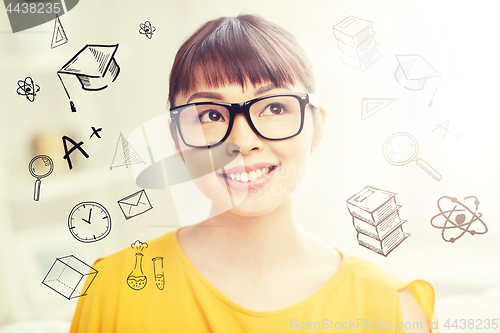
(135, 204)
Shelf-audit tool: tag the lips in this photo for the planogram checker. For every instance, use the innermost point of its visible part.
(244, 178)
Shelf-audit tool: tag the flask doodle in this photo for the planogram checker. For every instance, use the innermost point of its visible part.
(136, 279)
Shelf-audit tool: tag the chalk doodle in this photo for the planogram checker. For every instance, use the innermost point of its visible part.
(453, 219)
(27, 88)
(147, 29)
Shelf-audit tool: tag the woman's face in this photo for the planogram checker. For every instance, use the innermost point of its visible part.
(261, 174)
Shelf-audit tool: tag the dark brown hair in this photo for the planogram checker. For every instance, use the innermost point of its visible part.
(237, 50)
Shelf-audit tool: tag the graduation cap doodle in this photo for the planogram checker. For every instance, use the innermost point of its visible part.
(413, 72)
(94, 66)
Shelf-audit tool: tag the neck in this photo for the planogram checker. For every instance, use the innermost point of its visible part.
(257, 242)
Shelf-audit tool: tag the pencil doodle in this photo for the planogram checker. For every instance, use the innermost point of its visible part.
(27, 88)
(94, 66)
(59, 35)
(67, 277)
(40, 166)
(147, 29)
(454, 225)
(130, 156)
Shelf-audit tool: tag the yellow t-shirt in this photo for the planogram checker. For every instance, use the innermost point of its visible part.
(361, 297)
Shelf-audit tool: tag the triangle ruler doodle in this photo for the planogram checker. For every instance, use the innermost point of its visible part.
(370, 106)
(128, 155)
(58, 36)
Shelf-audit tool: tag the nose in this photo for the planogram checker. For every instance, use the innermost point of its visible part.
(243, 137)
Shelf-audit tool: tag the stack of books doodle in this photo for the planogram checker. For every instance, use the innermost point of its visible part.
(356, 41)
(376, 219)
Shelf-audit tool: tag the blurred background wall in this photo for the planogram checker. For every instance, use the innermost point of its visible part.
(458, 40)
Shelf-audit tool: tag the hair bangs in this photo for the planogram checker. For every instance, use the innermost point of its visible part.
(239, 50)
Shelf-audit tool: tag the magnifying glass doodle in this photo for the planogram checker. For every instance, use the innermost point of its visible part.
(40, 167)
(402, 148)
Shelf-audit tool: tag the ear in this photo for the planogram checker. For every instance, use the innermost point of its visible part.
(175, 136)
(318, 129)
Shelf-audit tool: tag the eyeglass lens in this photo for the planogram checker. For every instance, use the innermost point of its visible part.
(274, 118)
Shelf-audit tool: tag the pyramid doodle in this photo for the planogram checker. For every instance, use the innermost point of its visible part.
(130, 156)
(58, 36)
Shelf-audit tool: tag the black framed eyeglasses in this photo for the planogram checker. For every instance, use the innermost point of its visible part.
(274, 117)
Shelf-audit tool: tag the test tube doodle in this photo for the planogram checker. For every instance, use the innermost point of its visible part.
(158, 271)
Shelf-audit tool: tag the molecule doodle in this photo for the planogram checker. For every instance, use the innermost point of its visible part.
(455, 225)
(28, 88)
(147, 29)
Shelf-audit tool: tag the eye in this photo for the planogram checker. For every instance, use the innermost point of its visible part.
(211, 116)
(274, 109)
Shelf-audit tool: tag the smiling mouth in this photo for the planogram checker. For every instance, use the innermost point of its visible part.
(249, 176)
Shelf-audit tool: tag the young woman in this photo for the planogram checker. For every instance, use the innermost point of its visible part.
(243, 87)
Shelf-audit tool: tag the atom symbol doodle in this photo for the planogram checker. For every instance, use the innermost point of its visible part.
(457, 222)
(28, 88)
(147, 29)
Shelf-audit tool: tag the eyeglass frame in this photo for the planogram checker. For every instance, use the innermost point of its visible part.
(304, 99)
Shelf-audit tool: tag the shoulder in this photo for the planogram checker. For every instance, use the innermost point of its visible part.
(415, 298)
(364, 272)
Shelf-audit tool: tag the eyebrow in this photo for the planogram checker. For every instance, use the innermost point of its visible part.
(267, 88)
(205, 94)
(219, 97)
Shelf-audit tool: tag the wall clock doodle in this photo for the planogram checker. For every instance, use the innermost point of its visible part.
(89, 222)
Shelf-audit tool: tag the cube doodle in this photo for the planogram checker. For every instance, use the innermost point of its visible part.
(67, 277)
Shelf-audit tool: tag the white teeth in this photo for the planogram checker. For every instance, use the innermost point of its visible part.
(244, 177)
(250, 176)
